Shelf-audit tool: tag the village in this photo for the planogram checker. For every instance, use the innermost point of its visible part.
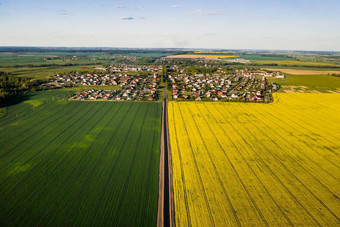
(131, 88)
(142, 83)
(243, 85)
(114, 75)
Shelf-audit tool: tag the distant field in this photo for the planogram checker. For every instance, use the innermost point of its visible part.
(319, 83)
(36, 60)
(266, 57)
(69, 163)
(299, 63)
(238, 164)
(46, 71)
(205, 56)
(304, 72)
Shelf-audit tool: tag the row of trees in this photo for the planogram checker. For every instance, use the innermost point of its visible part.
(12, 87)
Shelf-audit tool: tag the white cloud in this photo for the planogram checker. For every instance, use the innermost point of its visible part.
(127, 18)
(175, 6)
(200, 12)
(133, 18)
(135, 7)
(63, 12)
(120, 7)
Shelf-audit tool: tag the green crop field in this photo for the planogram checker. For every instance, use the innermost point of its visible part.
(79, 163)
(45, 72)
(320, 83)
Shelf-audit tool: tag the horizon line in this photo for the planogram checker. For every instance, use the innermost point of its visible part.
(174, 48)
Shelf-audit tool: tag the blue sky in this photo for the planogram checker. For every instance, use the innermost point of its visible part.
(242, 24)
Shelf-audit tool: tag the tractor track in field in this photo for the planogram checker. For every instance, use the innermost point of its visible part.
(36, 142)
(119, 152)
(149, 177)
(284, 186)
(294, 176)
(252, 170)
(127, 180)
(318, 153)
(70, 126)
(304, 155)
(81, 160)
(235, 172)
(198, 171)
(42, 122)
(182, 174)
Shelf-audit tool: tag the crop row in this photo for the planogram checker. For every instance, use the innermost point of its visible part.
(266, 164)
(80, 163)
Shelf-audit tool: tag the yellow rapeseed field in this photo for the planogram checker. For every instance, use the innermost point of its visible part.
(207, 56)
(242, 164)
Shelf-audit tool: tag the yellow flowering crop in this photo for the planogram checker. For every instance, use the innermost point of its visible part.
(208, 56)
(257, 164)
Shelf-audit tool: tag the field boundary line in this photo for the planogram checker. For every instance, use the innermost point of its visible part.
(150, 172)
(160, 207)
(170, 174)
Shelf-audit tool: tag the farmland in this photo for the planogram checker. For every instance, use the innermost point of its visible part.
(257, 164)
(296, 63)
(311, 83)
(304, 72)
(205, 56)
(44, 72)
(79, 163)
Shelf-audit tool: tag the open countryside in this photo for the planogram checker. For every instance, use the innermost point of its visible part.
(292, 63)
(79, 163)
(238, 164)
(304, 72)
(170, 113)
(201, 56)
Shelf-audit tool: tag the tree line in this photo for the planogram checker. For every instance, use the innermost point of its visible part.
(11, 87)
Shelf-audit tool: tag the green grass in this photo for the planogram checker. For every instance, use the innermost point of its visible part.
(45, 72)
(258, 57)
(79, 163)
(7, 60)
(321, 83)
